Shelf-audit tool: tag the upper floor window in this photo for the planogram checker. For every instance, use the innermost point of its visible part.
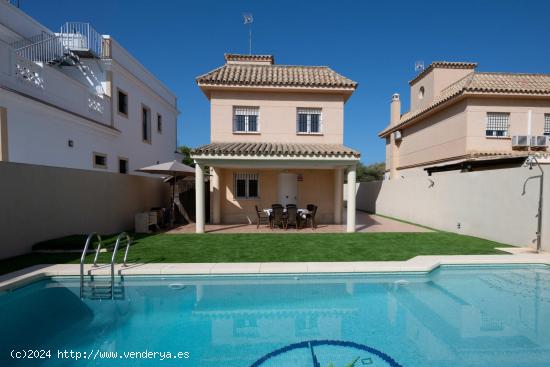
(497, 124)
(146, 124)
(122, 99)
(246, 119)
(159, 123)
(421, 93)
(547, 124)
(99, 160)
(246, 185)
(309, 121)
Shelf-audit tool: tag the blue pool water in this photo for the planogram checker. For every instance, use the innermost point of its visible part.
(454, 316)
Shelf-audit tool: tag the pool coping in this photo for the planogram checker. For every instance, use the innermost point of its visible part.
(423, 264)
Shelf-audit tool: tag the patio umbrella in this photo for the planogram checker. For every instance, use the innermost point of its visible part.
(174, 169)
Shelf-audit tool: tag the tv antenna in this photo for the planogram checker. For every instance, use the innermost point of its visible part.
(249, 19)
(419, 65)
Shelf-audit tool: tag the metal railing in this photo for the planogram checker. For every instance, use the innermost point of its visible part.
(46, 50)
(121, 237)
(84, 252)
(77, 36)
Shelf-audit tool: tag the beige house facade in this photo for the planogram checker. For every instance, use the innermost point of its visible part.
(277, 135)
(460, 115)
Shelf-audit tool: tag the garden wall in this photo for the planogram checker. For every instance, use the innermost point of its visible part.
(40, 202)
(499, 205)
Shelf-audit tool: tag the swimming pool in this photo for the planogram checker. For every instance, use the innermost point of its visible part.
(453, 316)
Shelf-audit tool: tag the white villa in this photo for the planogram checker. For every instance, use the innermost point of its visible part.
(77, 99)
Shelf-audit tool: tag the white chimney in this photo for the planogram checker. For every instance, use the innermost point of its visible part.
(395, 110)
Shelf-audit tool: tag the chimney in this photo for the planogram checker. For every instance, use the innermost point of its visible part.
(395, 108)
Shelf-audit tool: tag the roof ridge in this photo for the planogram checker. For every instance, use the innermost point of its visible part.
(509, 73)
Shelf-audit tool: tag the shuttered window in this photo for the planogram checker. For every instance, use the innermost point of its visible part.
(309, 121)
(246, 185)
(497, 124)
(547, 124)
(246, 119)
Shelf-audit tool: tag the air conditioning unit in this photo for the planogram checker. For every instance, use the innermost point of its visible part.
(397, 135)
(539, 141)
(520, 141)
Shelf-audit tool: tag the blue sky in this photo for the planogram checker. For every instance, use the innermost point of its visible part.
(375, 43)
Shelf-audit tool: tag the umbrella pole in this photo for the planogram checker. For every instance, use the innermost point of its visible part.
(173, 208)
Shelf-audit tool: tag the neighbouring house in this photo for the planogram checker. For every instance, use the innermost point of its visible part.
(462, 119)
(76, 98)
(277, 134)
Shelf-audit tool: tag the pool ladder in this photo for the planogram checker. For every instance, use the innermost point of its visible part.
(95, 289)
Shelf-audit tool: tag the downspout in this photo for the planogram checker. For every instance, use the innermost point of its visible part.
(530, 161)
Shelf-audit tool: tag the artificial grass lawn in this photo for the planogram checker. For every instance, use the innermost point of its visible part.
(289, 247)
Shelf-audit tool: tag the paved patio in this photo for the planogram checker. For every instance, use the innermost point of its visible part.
(364, 223)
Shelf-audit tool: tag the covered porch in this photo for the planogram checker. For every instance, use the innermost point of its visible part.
(244, 176)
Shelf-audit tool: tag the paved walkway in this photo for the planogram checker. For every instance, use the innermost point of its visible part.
(364, 223)
(416, 264)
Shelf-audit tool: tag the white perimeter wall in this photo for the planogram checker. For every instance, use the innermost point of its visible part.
(38, 203)
(487, 204)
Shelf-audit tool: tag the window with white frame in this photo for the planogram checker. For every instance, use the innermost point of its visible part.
(246, 185)
(547, 124)
(497, 124)
(246, 119)
(309, 121)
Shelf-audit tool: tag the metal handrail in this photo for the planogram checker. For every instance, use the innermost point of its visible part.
(122, 236)
(45, 50)
(83, 257)
(82, 36)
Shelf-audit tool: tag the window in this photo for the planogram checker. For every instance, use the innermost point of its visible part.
(146, 124)
(123, 165)
(159, 123)
(497, 124)
(122, 103)
(246, 185)
(421, 93)
(99, 160)
(246, 119)
(547, 124)
(309, 121)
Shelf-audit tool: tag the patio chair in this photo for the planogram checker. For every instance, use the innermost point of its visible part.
(278, 216)
(310, 217)
(262, 217)
(292, 218)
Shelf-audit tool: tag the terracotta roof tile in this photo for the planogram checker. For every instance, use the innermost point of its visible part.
(276, 75)
(479, 83)
(274, 149)
(443, 65)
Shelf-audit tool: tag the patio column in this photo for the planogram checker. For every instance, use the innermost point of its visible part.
(215, 195)
(351, 199)
(199, 198)
(338, 194)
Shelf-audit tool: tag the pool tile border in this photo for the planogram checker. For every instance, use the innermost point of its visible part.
(416, 264)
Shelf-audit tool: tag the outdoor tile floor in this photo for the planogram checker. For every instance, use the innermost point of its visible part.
(364, 223)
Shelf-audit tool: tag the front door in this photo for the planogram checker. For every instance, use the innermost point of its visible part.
(288, 188)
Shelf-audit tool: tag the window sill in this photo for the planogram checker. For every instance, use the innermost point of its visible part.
(246, 133)
(310, 134)
(499, 137)
(247, 199)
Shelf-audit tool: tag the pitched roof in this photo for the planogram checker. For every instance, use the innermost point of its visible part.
(443, 65)
(482, 83)
(276, 149)
(263, 74)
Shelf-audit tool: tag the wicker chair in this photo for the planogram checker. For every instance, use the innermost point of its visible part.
(292, 218)
(278, 216)
(310, 217)
(262, 217)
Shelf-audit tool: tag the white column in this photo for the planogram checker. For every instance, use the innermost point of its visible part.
(338, 194)
(215, 195)
(199, 198)
(351, 199)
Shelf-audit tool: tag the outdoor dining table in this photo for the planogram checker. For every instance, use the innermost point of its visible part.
(301, 212)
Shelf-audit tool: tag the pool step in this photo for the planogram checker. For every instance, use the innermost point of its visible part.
(102, 290)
